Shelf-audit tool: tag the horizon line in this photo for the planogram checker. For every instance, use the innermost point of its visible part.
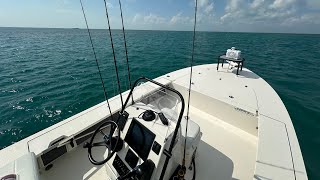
(257, 32)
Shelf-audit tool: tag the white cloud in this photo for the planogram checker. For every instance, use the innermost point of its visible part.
(203, 3)
(205, 16)
(312, 18)
(153, 19)
(257, 4)
(282, 4)
(265, 15)
(234, 5)
(206, 6)
(180, 19)
(136, 18)
(148, 19)
(239, 15)
(209, 9)
(237, 11)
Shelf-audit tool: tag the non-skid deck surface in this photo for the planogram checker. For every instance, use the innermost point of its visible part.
(75, 165)
(225, 151)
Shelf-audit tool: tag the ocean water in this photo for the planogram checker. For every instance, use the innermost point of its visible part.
(47, 75)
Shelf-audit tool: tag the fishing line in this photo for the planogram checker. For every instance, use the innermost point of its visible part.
(95, 57)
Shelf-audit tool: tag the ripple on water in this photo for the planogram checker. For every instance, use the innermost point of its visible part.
(29, 99)
(18, 107)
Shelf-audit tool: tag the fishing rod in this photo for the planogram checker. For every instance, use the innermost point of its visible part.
(113, 53)
(96, 59)
(189, 93)
(125, 46)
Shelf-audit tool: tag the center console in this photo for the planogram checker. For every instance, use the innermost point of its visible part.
(139, 139)
(143, 141)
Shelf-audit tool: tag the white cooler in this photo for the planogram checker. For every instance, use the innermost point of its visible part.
(233, 53)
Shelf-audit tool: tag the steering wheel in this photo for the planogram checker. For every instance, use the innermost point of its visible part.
(109, 141)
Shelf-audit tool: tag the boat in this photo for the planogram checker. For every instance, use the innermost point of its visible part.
(238, 129)
(201, 122)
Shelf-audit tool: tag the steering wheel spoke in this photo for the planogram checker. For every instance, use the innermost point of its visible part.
(107, 141)
(102, 133)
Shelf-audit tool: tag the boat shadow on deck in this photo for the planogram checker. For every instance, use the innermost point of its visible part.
(245, 73)
(75, 165)
(212, 164)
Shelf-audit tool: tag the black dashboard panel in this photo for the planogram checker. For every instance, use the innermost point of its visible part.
(122, 120)
(140, 139)
(120, 167)
(53, 154)
(131, 159)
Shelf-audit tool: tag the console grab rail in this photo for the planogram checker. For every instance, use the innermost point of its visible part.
(166, 152)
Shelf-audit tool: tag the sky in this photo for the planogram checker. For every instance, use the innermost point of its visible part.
(275, 16)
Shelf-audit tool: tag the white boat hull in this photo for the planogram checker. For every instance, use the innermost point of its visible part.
(246, 130)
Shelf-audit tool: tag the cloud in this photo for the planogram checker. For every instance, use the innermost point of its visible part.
(180, 19)
(206, 6)
(234, 5)
(209, 9)
(306, 19)
(239, 15)
(257, 3)
(282, 4)
(238, 11)
(153, 19)
(269, 15)
(148, 19)
(202, 3)
(136, 18)
(205, 16)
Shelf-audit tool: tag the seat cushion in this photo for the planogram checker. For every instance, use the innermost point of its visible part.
(25, 168)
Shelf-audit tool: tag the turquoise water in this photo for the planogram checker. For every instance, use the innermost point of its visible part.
(47, 75)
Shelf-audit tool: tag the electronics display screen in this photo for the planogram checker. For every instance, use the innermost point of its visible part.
(140, 139)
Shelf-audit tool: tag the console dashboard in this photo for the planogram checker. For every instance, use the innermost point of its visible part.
(142, 140)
